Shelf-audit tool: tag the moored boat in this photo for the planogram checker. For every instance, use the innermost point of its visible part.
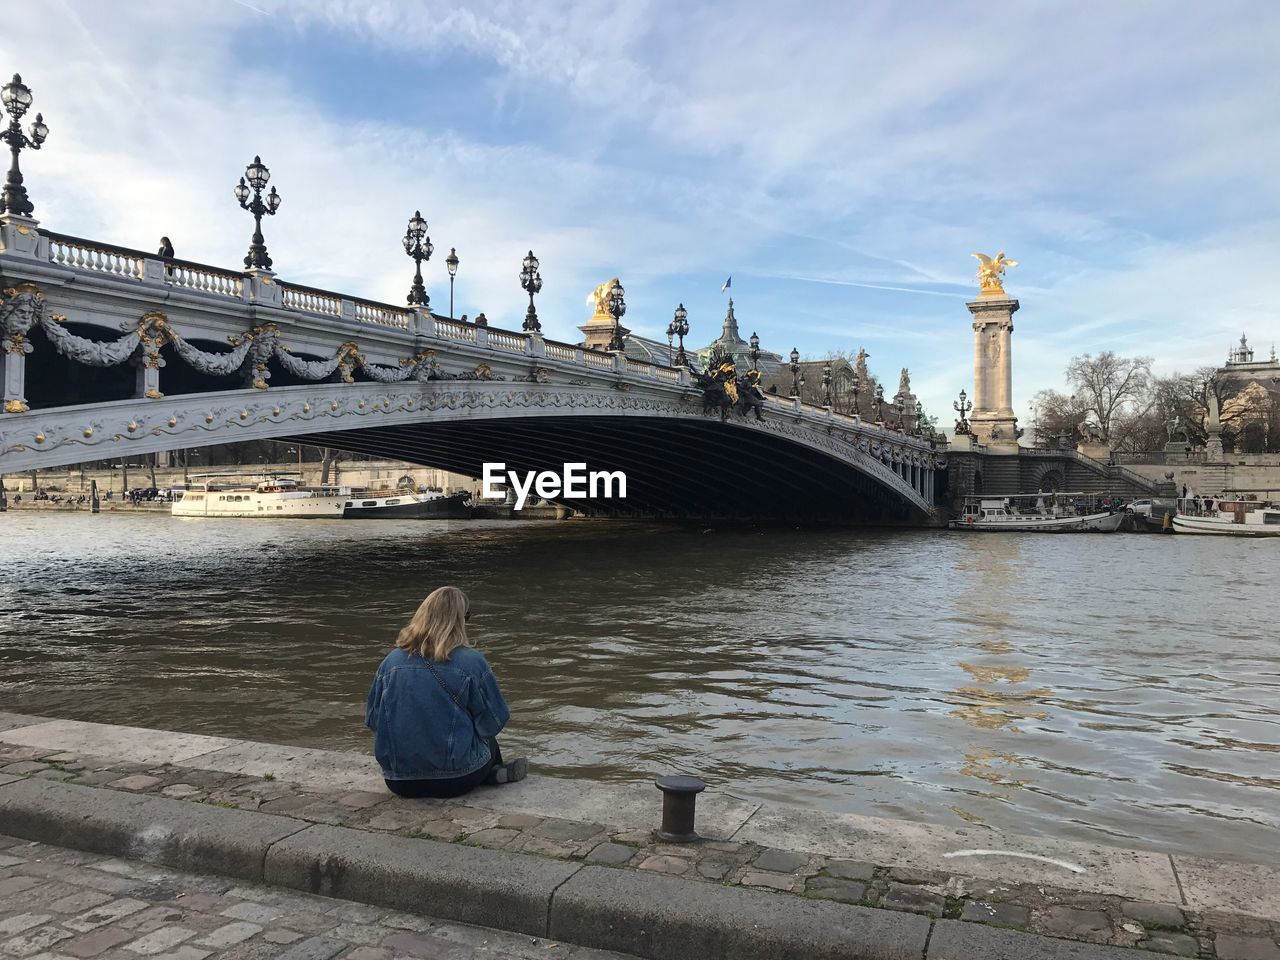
(231, 496)
(1040, 513)
(407, 504)
(1231, 518)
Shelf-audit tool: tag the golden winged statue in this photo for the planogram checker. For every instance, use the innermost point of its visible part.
(599, 298)
(990, 270)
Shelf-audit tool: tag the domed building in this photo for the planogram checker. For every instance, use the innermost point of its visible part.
(1252, 403)
(730, 343)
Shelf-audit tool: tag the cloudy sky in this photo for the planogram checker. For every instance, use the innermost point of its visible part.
(840, 160)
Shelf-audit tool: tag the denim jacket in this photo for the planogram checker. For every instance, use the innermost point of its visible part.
(419, 732)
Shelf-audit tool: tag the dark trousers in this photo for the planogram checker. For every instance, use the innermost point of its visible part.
(443, 788)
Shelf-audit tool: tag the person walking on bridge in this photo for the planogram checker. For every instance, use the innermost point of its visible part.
(435, 708)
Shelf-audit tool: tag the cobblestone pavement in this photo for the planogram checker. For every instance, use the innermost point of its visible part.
(1035, 908)
(58, 904)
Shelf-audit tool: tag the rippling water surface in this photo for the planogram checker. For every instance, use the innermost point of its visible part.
(1115, 688)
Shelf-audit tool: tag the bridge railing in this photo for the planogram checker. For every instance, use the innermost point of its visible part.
(78, 253)
(105, 258)
(194, 276)
(383, 315)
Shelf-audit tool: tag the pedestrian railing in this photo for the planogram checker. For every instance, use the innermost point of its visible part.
(96, 257)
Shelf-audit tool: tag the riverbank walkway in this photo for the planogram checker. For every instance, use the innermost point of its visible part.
(572, 863)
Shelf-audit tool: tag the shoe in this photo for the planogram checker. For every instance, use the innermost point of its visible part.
(511, 772)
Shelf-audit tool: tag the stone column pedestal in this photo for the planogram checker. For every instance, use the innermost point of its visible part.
(20, 238)
(1095, 451)
(1213, 452)
(993, 421)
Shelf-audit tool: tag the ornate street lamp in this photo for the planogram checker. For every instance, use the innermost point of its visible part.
(16, 97)
(855, 385)
(418, 246)
(257, 174)
(679, 327)
(531, 281)
(754, 354)
(901, 406)
(826, 384)
(617, 307)
(451, 264)
(962, 407)
(795, 372)
(879, 403)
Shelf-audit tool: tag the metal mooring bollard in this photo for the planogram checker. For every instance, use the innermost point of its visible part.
(679, 796)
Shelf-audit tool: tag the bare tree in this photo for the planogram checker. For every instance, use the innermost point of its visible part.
(1056, 416)
(1108, 385)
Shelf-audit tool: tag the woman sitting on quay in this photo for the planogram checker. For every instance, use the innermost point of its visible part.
(435, 708)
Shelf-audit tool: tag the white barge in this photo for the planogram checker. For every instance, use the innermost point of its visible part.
(1227, 518)
(1039, 513)
(231, 496)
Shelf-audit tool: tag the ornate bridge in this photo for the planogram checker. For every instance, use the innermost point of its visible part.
(112, 352)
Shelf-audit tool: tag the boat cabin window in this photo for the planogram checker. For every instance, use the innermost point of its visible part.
(391, 503)
(369, 503)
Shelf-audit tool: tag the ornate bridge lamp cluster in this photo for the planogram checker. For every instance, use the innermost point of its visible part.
(826, 384)
(679, 327)
(531, 281)
(257, 174)
(451, 264)
(617, 308)
(16, 97)
(900, 406)
(962, 407)
(753, 355)
(878, 401)
(418, 246)
(796, 379)
(855, 387)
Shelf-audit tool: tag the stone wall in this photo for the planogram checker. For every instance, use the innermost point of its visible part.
(1241, 475)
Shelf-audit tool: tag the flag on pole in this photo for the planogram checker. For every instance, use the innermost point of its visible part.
(727, 284)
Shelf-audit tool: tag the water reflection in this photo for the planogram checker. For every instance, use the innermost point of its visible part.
(1004, 680)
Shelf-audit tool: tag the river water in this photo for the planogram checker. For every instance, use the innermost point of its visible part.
(1118, 688)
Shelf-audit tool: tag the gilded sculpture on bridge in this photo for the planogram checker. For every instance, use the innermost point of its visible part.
(723, 390)
(599, 299)
(990, 272)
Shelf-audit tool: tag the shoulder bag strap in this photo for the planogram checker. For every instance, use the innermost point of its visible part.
(444, 686)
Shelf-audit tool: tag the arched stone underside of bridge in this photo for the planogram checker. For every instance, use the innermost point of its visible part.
(678, 468)
(679, 462)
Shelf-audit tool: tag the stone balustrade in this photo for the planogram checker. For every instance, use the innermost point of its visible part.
(98, 257)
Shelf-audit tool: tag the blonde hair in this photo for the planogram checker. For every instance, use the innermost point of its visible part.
(439, 626)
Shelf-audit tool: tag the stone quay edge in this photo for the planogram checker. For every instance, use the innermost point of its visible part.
(538, 865)
(1203, 882)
